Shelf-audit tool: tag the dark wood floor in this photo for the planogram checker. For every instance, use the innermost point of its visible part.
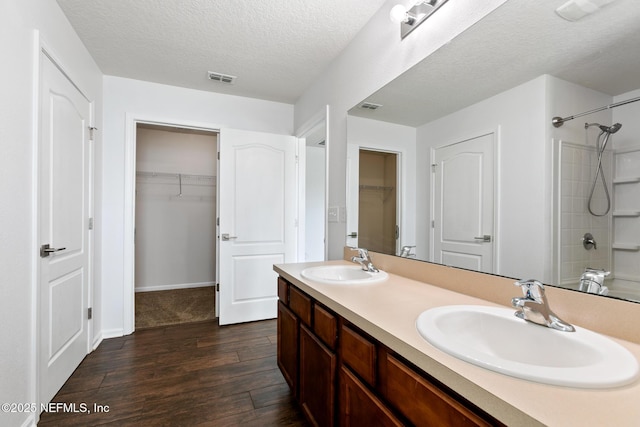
(197, 374)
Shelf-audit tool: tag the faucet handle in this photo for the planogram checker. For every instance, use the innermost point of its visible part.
(532, 289)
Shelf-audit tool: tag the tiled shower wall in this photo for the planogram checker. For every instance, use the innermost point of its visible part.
(577, 172)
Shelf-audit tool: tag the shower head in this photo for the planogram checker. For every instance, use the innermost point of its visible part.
(605, 129)
(610, 129)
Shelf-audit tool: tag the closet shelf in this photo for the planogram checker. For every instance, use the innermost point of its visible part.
(184, 177)
(627, 180)
(626, 213)
(376, 188)
(626, 246)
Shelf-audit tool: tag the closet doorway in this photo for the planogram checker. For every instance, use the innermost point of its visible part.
(378, 201)
(175, 229)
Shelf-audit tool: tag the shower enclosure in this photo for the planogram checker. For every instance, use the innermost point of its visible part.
(599, 215)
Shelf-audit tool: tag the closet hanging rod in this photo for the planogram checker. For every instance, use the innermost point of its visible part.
(559, 121)
(175, 175)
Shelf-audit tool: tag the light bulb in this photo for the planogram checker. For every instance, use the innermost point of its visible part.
(398, 14)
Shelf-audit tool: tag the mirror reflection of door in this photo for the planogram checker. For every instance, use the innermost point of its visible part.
(315, 177)
(377, 206)
(463, 204)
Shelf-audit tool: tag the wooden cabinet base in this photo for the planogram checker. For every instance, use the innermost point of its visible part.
(363, 379)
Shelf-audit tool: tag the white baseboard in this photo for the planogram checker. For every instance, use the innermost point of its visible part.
(111, 333)
(173, 286)
(97, 341)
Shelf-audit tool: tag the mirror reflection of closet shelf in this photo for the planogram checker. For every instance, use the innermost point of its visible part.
(175, 185)
(377, 190)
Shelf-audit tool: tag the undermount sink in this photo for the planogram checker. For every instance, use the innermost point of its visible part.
(342, 275)
(493, 338)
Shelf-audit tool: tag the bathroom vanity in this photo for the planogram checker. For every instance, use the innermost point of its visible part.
(352, 355)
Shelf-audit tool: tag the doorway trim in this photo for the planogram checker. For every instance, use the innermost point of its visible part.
(400, 189)
(131, 121)
(316, 120)
(406, 236)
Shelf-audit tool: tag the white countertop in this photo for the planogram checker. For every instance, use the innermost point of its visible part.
(388, 312)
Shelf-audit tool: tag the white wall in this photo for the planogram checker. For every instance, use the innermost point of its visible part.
(566, 99)
(143, 100)
(175, 225)
(377, 135)
(517, 116)
(376, 56)
(628, 116)
(19, 21)
(176, 151)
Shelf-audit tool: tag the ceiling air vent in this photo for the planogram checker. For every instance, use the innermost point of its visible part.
(222, 78)
(369, 106)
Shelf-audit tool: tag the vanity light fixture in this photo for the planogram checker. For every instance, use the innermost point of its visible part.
(410, 19)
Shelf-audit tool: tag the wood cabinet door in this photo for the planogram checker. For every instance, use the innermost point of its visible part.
(421, 401)
(359, 406)
(288, 325)
(317, 379)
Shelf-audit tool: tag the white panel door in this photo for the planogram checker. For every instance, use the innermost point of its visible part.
(257, 185)
(463, 204)
(64, 197)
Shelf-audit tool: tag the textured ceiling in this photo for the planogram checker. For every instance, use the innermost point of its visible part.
(519, 41)
(276, 48)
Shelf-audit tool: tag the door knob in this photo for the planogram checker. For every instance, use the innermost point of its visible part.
(45, 250)
(225, 237)
(353, 234)
(484, 238)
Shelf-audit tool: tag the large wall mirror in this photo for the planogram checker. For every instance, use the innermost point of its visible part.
(484, 180)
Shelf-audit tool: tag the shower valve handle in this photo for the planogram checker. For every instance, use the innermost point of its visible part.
(588, 241)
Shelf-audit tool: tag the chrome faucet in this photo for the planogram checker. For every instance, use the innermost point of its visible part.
(534, 307)
(364, 260)
(592, 281)
(405, 252)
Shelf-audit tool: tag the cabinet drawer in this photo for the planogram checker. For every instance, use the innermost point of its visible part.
(300, 304)
(421, 401)
(325, 326)
(359, 353)
(283, 291)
